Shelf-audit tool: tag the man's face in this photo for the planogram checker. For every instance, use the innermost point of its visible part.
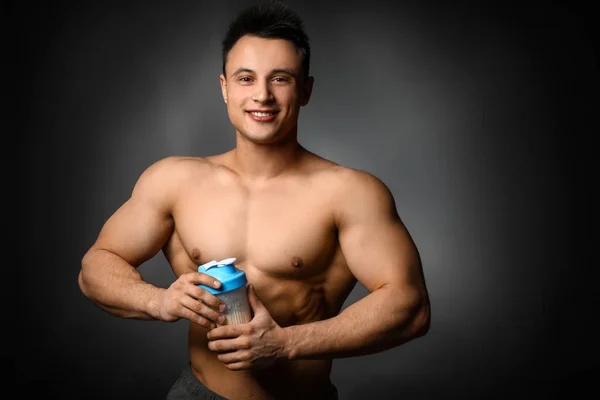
(264, 88)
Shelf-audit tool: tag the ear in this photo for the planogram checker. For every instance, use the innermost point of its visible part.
(307, 90)
(223, 82)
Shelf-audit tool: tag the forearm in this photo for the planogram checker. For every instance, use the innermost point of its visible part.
(381, 320)
(117, 287)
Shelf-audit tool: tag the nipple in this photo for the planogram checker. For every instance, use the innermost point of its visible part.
(297, 262)
(195, 254)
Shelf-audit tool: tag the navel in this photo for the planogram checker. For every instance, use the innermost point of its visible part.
(297, 262)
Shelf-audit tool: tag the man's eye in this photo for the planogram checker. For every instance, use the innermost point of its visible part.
(280, 79)
(245, 79)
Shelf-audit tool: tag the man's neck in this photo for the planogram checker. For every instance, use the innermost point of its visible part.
(261, 162)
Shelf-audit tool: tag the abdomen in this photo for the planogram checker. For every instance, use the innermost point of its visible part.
(285, 379)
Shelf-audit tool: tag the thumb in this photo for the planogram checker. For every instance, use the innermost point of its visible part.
(255, 303)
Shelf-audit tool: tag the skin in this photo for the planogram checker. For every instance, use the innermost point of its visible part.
(303, 229)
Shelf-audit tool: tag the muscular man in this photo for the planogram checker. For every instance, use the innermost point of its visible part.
(304, 229)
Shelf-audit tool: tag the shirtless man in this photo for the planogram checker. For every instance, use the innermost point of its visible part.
(303, 229)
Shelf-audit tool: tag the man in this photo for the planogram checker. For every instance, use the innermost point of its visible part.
(303, 229)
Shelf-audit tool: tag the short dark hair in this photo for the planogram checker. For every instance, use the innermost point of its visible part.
(271, 20)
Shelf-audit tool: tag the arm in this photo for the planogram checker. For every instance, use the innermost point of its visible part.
(132, 235)
(382, 256)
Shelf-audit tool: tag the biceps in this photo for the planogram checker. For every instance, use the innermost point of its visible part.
(135, 232)
(381, 252)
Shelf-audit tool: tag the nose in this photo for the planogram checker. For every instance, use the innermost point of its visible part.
(262, 92)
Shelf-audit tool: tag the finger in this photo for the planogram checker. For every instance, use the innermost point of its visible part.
(239, 366)
(230, 345)
(235, 357)
(198, 278)
(228, 332)
(206, 297)
(191, 288)
(203, 311)
(198, 319)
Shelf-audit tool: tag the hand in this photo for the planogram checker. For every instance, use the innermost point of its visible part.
(256, 344)
(184, 299)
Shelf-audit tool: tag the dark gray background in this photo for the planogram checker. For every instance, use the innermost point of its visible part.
(478, 117)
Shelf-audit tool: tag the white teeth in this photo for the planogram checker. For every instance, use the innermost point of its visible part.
(262, 114)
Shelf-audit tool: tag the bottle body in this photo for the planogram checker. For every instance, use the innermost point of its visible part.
(233, 291)
(238, 307)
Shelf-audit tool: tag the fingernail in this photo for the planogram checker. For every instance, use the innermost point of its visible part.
(216, 283)
(213, 326)
(221, 319)
(222, 307)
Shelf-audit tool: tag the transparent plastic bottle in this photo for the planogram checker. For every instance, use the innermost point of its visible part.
(233, 291)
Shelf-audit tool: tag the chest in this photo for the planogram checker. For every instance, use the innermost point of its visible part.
(283, 231)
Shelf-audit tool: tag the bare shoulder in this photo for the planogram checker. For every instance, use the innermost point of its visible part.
(347, 181)
(358, 192)
(170, 173)
(175, 166)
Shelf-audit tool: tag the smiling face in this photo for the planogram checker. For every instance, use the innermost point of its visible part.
(264, 88)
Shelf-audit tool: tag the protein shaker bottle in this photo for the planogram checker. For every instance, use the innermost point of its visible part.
(233, 291)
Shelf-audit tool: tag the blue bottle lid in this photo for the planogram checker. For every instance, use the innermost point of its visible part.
(225, 272)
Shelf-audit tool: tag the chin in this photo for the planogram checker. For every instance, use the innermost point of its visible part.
(264, 137)
(261, 138)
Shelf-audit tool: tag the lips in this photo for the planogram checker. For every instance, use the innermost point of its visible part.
(262, 115)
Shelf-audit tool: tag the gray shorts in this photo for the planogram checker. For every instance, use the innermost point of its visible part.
(188, 387)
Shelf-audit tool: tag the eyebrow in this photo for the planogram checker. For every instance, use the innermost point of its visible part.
(273, 72)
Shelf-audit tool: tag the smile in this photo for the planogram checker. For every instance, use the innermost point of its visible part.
(262, 116)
